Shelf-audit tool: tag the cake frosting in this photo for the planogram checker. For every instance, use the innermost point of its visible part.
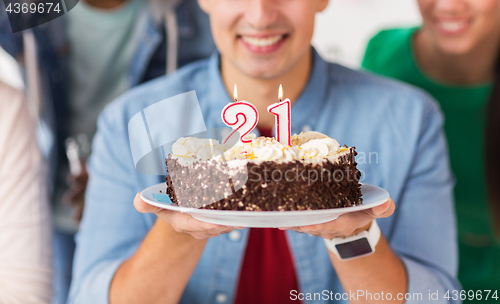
(310, 146)
(204, 173)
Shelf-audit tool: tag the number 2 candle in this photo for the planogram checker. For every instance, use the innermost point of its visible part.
(241, 116)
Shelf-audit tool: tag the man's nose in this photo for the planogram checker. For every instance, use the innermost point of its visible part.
(261, 14)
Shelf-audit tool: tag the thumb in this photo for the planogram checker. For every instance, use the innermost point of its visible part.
(384, 210)
(144, 207)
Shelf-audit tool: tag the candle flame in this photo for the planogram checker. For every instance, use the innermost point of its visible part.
(280, 94)
(235, 94)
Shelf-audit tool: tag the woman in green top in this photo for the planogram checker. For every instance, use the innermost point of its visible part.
(455, 56)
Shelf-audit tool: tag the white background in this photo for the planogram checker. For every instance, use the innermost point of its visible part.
(344, 28)
(341, 34)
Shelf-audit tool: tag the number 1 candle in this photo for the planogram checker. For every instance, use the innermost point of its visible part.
(241, 116)
(282, 118)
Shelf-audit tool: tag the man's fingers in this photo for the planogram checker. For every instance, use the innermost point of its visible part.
(384, 210)
(348, 223)
(182, 222)
(80, 179)
(77, 213)
(73, 196)
(185, 223)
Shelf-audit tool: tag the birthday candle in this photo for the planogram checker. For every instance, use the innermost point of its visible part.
(282, 118)
(241, 116)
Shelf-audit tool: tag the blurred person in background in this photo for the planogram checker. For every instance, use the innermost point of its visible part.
(25, 236)
(83, 60)
(455, 56)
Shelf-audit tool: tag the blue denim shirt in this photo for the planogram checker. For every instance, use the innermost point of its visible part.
(397, 131)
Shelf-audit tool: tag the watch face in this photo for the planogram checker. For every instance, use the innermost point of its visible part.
(354, 248)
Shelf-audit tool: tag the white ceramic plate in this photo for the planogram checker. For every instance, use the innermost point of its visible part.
(372, 196)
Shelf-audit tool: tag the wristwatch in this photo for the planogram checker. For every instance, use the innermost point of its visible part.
(355, 246)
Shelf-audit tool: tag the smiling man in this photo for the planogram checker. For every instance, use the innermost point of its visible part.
(160, 256)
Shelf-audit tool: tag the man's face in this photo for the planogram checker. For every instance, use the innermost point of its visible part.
(263, 38)
(459, 26)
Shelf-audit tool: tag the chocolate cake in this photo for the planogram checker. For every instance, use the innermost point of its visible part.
(263, 175)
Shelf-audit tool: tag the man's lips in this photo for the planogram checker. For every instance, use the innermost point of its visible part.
(262, 41)
(263, 44)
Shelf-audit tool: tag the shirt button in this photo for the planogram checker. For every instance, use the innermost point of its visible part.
(235, 235)
(221, 297)
(306, 128)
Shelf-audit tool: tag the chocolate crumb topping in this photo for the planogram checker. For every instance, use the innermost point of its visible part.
(266, 186)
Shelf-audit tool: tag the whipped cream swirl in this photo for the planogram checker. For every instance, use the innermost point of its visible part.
(309, 146)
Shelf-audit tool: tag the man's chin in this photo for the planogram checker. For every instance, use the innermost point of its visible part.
(262, 71)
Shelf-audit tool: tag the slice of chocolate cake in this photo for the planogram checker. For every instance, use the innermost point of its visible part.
(263, 175)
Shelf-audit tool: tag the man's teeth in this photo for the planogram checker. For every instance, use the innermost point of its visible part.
(262, 42)
(452, 26)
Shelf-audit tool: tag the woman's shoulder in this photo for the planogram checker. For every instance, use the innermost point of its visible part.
(393, 34)
(387, 47)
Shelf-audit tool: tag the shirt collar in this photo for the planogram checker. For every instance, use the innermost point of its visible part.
(304, 111)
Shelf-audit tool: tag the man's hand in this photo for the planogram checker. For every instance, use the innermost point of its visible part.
(75, 196)
(349, 223)
(183, 222)
(175, 235)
